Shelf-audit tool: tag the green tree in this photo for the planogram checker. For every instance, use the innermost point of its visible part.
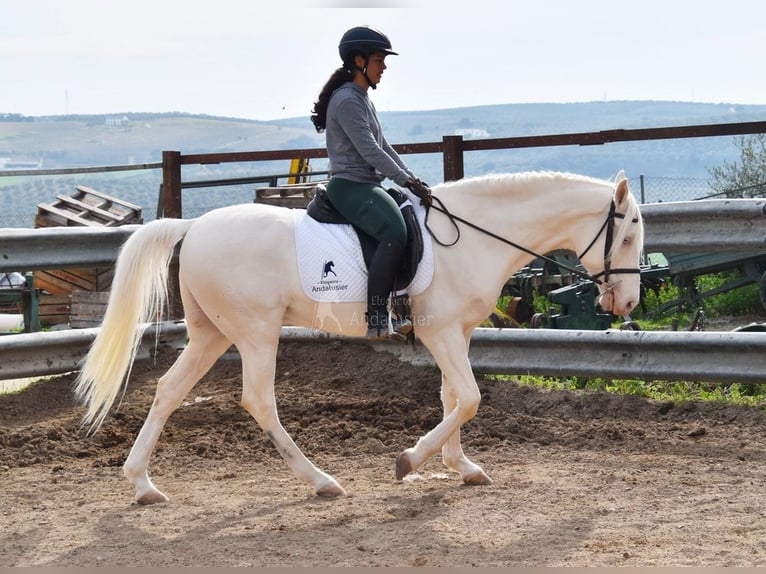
(746, 177)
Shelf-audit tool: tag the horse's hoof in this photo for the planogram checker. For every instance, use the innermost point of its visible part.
(478, 478)
(332, 490)
(403, 466)
(151, 497)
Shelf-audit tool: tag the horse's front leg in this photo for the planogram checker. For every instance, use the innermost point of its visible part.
(461, 397)
(453, 456)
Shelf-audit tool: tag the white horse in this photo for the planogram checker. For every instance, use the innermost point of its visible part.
(239, 285)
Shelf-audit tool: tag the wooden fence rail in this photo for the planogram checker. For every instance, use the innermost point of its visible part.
(452, 148)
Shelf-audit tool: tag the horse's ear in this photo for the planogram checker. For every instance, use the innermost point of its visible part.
(620, 175)
(621, 192)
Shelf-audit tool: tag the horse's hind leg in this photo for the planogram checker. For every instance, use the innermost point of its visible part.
(258, 368)
(206, 344)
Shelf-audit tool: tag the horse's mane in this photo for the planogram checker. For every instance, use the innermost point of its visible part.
(504, 182)
(496, 183)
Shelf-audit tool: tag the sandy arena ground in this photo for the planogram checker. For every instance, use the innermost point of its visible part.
(580, 478)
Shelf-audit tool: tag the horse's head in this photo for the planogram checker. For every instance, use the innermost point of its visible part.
(614, 257)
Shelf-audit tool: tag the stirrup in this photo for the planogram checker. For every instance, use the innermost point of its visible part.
(402, 326)
(388, 328)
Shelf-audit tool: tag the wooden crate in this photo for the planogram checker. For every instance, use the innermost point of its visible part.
(64, 281)
(53, 309)
(87, 308)
(87, 207)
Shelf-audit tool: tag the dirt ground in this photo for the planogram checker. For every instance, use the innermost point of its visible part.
(580, 478)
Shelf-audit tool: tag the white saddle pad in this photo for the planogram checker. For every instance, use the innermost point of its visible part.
(331, 265)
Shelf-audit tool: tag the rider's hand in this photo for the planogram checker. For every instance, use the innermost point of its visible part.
(421, 190)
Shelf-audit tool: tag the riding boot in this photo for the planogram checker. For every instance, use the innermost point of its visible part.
(383, 267)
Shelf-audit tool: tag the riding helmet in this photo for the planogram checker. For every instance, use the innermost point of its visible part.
(364, 40)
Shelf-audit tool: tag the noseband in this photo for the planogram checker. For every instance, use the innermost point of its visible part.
(608, 225)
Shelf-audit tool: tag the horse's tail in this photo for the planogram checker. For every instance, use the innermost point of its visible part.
(139, 293)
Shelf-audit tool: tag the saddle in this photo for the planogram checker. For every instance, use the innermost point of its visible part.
(321, 209)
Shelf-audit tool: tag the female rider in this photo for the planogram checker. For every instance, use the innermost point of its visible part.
(360, 159)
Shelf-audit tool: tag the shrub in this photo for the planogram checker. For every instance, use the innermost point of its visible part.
(740, 301)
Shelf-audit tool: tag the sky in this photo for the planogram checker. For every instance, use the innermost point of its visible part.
(237, 58)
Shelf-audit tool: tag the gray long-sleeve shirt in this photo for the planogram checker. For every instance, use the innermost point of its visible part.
(356, 146)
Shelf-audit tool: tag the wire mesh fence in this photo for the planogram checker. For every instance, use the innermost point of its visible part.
(654, 189)
(650, 189)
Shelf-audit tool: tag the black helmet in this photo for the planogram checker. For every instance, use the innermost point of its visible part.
(364, 40)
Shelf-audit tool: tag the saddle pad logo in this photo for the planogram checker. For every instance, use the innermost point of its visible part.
(329, 280)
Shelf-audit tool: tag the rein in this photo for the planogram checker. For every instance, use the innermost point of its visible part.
(608, 225)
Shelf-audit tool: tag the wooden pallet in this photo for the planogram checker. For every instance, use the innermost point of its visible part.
(296, 195)
(87, 207)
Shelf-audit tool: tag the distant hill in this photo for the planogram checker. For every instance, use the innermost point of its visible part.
(138, 138)
(66, 141)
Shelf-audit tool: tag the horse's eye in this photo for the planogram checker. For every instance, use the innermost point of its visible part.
(627, 241)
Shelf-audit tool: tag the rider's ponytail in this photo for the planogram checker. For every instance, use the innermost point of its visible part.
(319, 112)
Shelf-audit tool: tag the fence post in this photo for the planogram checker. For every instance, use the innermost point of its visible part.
(453, 157)
(171, 207)
(171, 184)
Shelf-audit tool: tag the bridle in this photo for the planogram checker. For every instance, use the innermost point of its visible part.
(607, 226)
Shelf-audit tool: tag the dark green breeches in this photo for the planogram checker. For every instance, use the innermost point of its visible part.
(369, 207)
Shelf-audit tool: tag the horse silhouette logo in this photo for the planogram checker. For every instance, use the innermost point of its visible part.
(328, 268)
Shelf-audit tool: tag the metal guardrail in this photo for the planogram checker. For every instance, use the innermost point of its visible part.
(706, 225)
(718, 357)
(642, 355)
(55, 352)
(61, 247)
